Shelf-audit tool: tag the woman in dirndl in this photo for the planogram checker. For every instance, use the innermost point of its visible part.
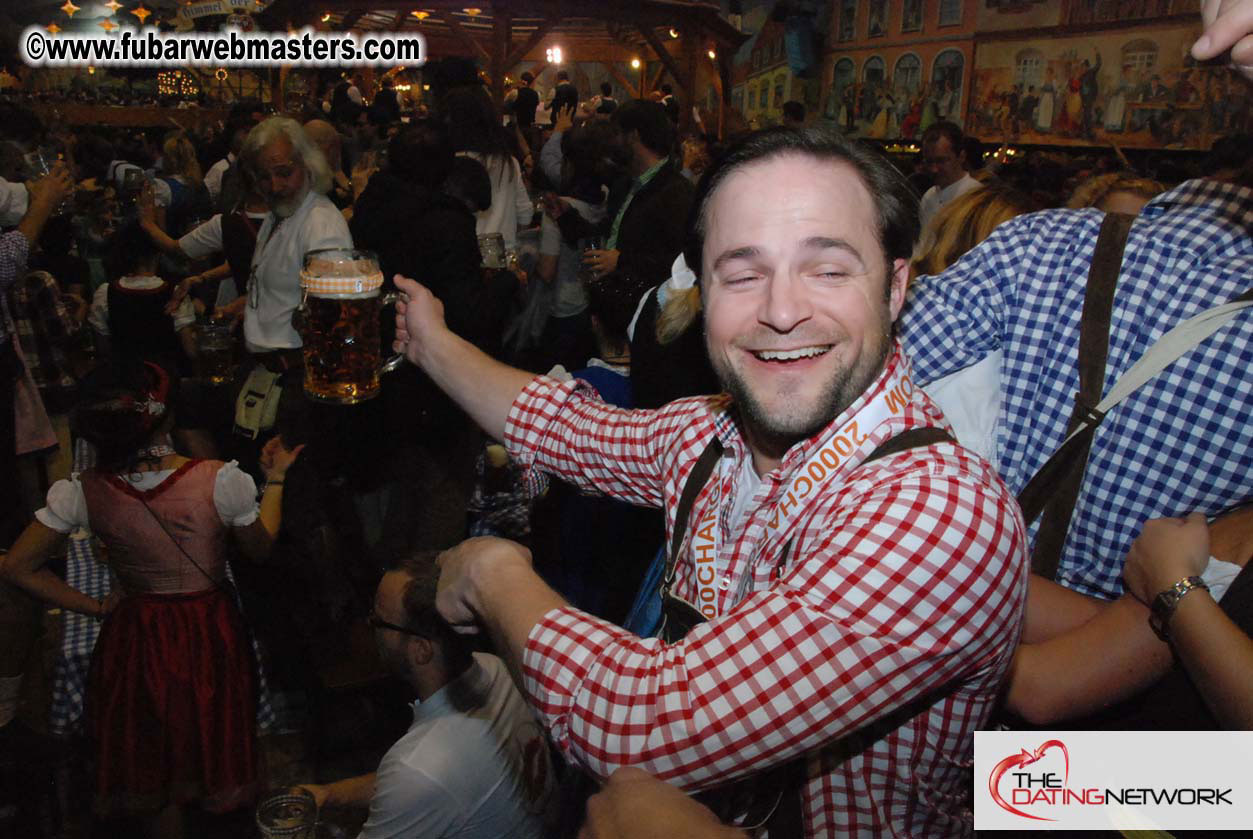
(171, 696)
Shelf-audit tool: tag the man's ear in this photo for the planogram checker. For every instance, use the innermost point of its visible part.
(420, 651)
(898, 282)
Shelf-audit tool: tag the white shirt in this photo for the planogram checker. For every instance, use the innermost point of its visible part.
(936, 197)
(213, 178)
(511, 205)
(276, 263)
(234, 498)
(473, 765)
(14, 200)
(206, 239)
(98, 315)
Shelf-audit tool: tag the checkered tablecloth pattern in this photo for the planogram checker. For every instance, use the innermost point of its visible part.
(86, 573)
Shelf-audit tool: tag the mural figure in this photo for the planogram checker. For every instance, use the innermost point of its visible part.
(1115, 116)
(911, 16)
(1088, 89)
(878, 18)
(1048, 101)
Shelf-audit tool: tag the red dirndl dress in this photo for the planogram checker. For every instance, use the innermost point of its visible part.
(171, 693)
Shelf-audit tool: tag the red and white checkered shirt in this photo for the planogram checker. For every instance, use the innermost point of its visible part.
(877, 651)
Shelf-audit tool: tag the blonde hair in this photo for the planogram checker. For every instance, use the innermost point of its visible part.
(178, 157)
(965, 222)
(678, 312)
(1095, 190)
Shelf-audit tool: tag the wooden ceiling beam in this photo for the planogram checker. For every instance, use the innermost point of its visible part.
(464, 36)
(622, 80)
(518, 53)
(666, 58)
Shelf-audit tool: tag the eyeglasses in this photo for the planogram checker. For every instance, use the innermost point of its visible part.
(378, 623)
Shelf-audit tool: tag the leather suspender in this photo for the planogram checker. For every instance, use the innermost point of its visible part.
(1054, 489)
(781, 789)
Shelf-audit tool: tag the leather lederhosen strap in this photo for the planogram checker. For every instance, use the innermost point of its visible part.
(1054, 489)
(771, 799)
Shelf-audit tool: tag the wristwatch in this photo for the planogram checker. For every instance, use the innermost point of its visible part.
(1165, 603)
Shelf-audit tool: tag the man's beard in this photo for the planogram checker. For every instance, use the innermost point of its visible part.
(287, 207)
(774, 434)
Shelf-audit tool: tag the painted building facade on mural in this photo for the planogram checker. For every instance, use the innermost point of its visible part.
(894, 67)
(1058, 72)
(1116, 73)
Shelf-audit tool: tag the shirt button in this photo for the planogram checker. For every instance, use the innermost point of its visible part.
(724, 583)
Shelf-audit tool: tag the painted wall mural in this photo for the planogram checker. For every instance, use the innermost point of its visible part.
(1133, 88)
(898, 93)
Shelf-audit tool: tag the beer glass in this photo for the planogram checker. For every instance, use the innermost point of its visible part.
(492, 249)
(216, 348)
(340, 309)
(288, 815)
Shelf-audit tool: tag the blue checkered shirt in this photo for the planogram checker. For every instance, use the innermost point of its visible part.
(1182, 442)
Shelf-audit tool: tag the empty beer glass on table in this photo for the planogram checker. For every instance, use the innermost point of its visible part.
(340, 315)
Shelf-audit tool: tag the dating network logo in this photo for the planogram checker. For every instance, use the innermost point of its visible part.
(1038, 782)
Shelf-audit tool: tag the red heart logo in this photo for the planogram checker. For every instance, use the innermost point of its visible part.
(1025, 758)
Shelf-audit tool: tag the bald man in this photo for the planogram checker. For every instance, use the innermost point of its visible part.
(328, 141)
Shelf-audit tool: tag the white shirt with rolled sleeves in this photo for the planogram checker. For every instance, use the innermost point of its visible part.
(276, 263)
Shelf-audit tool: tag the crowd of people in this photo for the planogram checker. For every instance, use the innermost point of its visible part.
(782, 481)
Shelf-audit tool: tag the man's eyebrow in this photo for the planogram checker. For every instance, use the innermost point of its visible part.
(735, 253)
(821, 243)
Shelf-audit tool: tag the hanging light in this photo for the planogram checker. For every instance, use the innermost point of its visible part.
(713, 56)
(473, 11)
(69, 8)
(141, 13)
(112, 6)
(420, 15)
(326, 17)
(674, 33)
(53, 28)
(635, 64)
(553, 54)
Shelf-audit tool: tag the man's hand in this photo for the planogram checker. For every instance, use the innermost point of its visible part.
(460, 568)
(1228, 25)
(180, 293)
(318, 791)
(563, 120)
(1166, 551)
(600, 261)
(419, 319)
(233, 311)
(635, 805)
(50, 190)
(276, 458)
(554, 207)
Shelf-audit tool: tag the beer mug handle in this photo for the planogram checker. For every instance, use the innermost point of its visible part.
(399, 358)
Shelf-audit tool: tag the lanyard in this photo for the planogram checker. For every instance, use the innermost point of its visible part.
(807, 483)
(254, 282)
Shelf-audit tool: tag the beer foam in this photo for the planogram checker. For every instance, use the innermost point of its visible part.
(355, 277)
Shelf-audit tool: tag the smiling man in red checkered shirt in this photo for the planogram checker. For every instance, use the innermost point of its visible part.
(861, 608)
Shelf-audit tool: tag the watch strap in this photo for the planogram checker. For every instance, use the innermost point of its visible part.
(1164, 605)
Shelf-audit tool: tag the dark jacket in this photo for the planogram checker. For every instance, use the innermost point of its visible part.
(651, 234)
(430, 237)
(524, 106)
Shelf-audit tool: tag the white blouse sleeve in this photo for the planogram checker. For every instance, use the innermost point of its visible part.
(66, 507)
(235, 496)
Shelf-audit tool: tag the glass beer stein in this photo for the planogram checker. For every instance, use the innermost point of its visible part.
(341, 304)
